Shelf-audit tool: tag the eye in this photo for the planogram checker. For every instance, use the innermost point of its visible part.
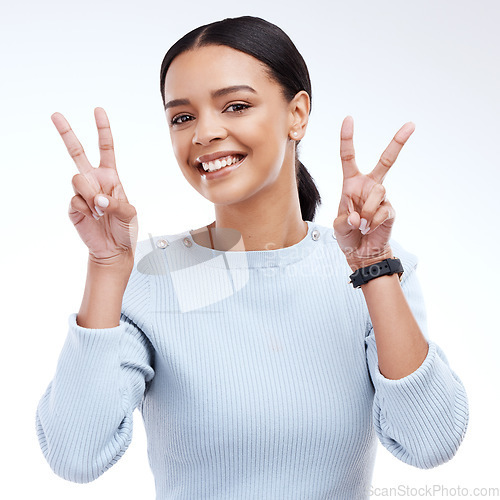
(237, 107)
(232, 108)
(180, 119)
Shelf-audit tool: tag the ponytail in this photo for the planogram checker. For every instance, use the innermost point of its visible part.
(309, 196)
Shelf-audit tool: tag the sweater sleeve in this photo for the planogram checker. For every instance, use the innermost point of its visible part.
(84, 419)
(421, 418)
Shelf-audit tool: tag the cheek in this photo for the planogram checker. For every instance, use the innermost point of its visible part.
(179, 147)
(264, 135)
(271, 138)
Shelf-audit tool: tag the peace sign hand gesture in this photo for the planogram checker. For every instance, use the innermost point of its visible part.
(365, 218)
(110, 232)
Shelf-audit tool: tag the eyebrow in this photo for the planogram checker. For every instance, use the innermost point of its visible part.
(215, 94)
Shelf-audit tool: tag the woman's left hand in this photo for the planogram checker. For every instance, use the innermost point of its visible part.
(365, 218)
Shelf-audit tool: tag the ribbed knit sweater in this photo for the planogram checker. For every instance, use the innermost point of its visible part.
(256, 375)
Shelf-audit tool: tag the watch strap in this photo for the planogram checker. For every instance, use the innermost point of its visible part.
(385, 267)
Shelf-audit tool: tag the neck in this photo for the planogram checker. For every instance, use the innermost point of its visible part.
(252, 235)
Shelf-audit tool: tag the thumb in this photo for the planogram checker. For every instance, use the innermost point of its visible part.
(345, 224)
(109, 205)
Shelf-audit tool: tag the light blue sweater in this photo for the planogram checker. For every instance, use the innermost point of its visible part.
(256, 374)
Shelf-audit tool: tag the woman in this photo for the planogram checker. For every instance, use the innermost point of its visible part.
(259, 369)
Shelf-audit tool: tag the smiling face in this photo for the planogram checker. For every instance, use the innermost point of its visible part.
(221, 103)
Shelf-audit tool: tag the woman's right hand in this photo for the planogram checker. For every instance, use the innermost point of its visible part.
(112, 237)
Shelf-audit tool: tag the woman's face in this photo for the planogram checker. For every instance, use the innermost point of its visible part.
(221, 103)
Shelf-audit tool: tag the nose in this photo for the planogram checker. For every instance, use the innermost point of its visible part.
(208, 129)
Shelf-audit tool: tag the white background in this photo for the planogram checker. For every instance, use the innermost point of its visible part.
(435, 63)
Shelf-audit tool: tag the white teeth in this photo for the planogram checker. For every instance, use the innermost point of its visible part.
(211, 166)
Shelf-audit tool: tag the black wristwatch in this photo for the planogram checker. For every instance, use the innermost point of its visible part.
(383, 268)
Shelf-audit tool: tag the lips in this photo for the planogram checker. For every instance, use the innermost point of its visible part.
(216, 173)
(215, 156)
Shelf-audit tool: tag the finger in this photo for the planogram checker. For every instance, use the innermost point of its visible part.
(73, 145)
(78, 208)
(83, 188)
(384, 214)
(350, 205)
(391, 152)
(375, 198)
(347, 224)
(106, 146)
(347, 156)
(347, 236)
(112, 206)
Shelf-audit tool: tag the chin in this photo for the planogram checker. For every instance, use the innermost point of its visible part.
(228, 194)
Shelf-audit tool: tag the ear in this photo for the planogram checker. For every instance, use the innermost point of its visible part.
(299, 107)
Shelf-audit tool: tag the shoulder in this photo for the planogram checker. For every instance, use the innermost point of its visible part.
(150, 255)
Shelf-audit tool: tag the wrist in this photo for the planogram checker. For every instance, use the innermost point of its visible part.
(385, 267)
(356, 262)
(104, 290)
(118, 263)
(115, 273)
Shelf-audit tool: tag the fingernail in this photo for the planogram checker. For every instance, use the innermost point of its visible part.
(95, 216)
(102, 201)
(349, 222)
(98, 210)
(362, 226)
(365, 231)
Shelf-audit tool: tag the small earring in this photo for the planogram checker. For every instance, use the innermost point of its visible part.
(295, 134)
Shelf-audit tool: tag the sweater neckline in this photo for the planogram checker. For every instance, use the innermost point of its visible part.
(254, 258)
